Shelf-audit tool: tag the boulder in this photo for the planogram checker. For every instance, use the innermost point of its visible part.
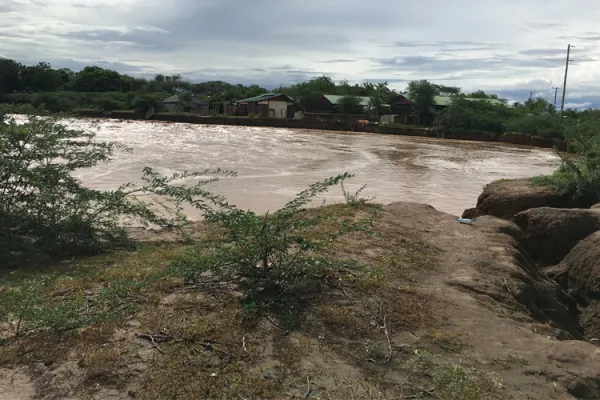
(506, 198)
(559, 274)
(595, 206)
(551, 233)
(583, 281)
(583, 264)
(586, 387)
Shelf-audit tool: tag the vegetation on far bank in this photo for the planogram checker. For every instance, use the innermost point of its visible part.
(63, 90)
(579, 173)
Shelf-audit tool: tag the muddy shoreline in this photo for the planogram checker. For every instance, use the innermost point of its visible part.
(518, 139)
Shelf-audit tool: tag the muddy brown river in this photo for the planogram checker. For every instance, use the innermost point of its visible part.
(274, 164)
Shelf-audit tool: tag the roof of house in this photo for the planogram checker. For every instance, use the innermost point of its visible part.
(263, 97)
(175, 99)
(364, 100)
(335, 99)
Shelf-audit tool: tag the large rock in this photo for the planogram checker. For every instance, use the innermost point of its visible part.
(583, 277)
(587, 387)
(506, 198)
(551, 233)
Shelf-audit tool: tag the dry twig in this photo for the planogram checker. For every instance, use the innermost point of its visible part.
(384, 328)
(308, 389)
(427, 392)
(155, 339)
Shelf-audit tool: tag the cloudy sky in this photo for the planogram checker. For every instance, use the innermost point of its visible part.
(508, 46)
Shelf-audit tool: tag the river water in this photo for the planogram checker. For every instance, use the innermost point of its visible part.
(274, 164)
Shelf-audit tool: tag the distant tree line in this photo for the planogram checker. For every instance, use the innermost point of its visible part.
(103, 89)
(100, 88)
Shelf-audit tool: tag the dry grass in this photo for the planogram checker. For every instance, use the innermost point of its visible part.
(213, 352)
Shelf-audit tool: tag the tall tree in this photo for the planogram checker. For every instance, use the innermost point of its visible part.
(349, 105)
(422, 93)
(448, 90)
(96, 79)
(10, 75)
(480, 94)
(380, 94)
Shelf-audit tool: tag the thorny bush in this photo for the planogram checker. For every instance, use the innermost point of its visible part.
(273, 256)
(579, 175)
(45, 211)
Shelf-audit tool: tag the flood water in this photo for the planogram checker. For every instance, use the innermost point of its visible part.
(274, 164)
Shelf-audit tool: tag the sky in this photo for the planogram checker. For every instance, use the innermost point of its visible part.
(510, 47)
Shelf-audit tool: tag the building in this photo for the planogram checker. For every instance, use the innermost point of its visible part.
(174, 102)
(269, 105)
(330, 106)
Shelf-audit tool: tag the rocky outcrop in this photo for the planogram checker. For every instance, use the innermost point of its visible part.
(516, 282)
(551, 233)
(506, 198)
(581, 268)
(596, 206)
(587, 387)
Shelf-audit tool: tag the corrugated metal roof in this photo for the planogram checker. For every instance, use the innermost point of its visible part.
(335, 99)
(262, 97)
(365, 101)
(172, 99)
(175, 99)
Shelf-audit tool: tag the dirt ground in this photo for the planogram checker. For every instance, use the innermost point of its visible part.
(446, 311)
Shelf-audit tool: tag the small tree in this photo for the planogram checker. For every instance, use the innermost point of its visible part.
(579, 176)
(185, 98)
(272, 256)
(46, 213)
(376, 105)
(422, 93)
(349, 105)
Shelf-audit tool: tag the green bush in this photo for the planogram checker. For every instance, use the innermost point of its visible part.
(28, 305)
(536, 125)
(579, 174)
(46, 213)
(468, 115)
(273, 257)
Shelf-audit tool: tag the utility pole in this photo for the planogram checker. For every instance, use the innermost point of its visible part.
(555, 95)
(562, 107)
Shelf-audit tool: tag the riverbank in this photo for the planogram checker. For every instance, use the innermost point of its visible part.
(351, 126)
(430, 308)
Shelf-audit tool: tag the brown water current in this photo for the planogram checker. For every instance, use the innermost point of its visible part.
(274, 164)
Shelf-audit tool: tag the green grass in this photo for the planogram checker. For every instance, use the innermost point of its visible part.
(454, 381)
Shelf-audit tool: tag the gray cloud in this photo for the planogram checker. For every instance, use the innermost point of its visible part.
(466, 43)
(543, 25)
(542, 52)
(340, 60)
(6, 8)
(449, 65)
(589, 37)
(444, 44)
(137, 37)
